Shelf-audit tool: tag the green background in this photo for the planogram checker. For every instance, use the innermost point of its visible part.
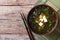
(56, 34)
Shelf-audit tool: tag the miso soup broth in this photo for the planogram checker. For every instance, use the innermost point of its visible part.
(41, 19)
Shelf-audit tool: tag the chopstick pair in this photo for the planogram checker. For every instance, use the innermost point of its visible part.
(31, 36)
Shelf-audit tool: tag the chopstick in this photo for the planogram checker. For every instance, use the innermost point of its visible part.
(31, 36)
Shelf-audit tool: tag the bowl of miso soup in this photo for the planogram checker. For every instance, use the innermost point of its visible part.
(42, 19)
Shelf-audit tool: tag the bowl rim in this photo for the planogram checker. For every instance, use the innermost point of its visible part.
(56, 15)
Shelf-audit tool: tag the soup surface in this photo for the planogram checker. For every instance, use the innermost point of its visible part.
(41, 19)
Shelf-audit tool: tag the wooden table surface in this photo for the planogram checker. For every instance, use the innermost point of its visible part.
(11, 24)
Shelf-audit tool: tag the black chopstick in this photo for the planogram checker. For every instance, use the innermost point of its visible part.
(31, 36)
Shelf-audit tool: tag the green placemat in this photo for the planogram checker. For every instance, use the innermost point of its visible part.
(56, 34)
